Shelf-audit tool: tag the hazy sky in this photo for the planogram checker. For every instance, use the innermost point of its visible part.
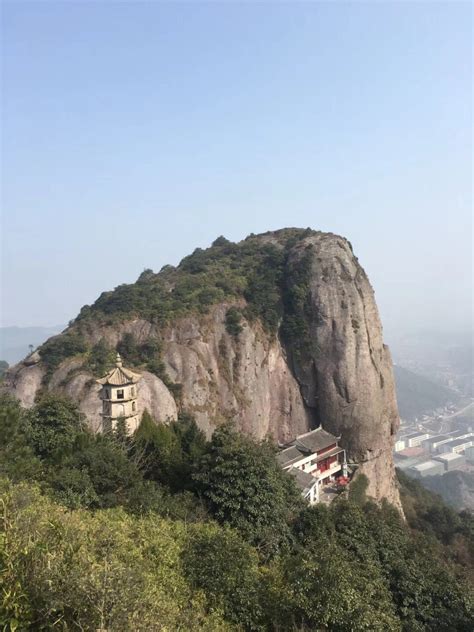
(134, 132)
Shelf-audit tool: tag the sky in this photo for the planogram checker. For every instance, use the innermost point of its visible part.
(134, 132)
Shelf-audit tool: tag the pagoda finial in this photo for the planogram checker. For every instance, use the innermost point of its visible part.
(118, 361)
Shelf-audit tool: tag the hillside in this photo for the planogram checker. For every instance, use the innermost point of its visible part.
(278, 333)
(417, 395)
(456, 488)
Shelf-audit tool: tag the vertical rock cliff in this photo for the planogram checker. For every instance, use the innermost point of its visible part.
(304, 347)
(342, 366)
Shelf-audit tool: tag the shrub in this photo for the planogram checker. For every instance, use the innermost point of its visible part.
(233, 319)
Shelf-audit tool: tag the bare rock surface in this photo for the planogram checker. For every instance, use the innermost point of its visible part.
(24, 382)
(346, 372)
(244, 379)
(340, 375)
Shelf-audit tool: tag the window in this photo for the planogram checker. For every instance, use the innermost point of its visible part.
(120, 394)
(133, 391)
(134, 406)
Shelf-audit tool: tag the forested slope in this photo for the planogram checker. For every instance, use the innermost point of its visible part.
(168, 531)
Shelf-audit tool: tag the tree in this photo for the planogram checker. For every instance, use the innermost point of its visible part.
(217, 561)
(358, 488)
(101, 358)
(324, 589)
(233, 320)
(93, 570)
(99, 471)
(245, 488)
(17, 459)
(169, 452)
(53, 425)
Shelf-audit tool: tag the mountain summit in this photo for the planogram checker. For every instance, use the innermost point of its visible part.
(279, 333)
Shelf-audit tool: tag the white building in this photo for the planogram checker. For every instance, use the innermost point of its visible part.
(470, 455)
(457, 445)
(432, 443)
(427, 468)
(314, 459)
(415, 439)
(451, 460)
(399, 445)
(119, 395)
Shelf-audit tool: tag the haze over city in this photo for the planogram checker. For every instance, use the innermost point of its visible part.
(187, 122)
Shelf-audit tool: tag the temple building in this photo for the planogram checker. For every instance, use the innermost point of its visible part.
(119, 395)
(315, 459)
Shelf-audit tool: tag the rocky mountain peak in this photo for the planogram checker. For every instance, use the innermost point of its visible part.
(279, 333)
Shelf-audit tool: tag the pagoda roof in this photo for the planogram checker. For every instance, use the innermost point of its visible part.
(119, 375)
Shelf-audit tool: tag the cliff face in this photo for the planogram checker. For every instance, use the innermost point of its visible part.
(345, 372)
(324, 362)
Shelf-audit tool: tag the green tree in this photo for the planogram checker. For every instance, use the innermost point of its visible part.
(87, 571)
(53, 425)
(169, 452)
(217, 561)
(324, 589)
(358, 488)
(245, 488)
(101, 358)
(233, 320)
(17, 459)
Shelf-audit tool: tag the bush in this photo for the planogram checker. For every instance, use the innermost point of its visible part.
(233, 319)
(246, 489)
(58, 348)
(358, 488)
(101, 358)
(52, 426)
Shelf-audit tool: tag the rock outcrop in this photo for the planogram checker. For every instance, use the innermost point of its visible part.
(326, 363)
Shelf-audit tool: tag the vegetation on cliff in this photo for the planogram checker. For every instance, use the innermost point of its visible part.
(164, 530)
(252, 273)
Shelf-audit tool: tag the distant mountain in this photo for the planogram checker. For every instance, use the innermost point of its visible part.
(444, 358)
(417, 395)
(456, 488)
(15, 341)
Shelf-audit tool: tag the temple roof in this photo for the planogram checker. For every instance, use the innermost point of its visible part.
(309, 443)
(304, 480)
(315, 440)
(288, 456)
(119, 376)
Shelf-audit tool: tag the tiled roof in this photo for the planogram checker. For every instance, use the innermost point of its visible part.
(119, 376)
(288, 456)
(304, 480)
(315, 441)
(306, 444)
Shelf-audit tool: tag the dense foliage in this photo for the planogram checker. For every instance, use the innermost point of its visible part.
(253, 273)
(166, 531)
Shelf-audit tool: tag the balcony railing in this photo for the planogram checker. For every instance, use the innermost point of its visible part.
(335, 467)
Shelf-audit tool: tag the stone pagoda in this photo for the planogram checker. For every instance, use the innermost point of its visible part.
(119, 394)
